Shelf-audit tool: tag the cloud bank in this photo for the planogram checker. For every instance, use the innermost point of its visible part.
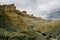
(48, 9)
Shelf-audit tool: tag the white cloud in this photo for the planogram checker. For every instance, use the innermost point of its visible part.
(37, 7)
(46, 8)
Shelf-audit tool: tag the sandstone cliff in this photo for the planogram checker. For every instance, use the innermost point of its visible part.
(22, 26)
(19, 20)
(18, 24)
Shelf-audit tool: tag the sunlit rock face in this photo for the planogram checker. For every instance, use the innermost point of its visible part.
(20, 20)
(16, 22)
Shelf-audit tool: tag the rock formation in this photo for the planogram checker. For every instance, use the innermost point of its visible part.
(18, 22)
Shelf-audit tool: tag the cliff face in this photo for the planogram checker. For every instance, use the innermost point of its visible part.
(8, 13)
(20, 21)
(29, 26)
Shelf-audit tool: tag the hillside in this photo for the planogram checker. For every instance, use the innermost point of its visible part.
(16, 23)
(49, 25)
(51, 29)
(19, 25)
(18, 20)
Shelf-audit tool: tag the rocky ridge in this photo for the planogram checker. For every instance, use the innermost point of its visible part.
(17, 22)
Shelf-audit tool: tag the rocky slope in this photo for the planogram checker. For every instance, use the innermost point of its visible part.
(19, 20)
(13, 21)
(51, 30)
(18, 25)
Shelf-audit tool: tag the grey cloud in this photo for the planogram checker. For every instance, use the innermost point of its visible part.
(47, 8)
(54, 15)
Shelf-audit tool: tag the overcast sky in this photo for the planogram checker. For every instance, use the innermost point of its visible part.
(48, 9)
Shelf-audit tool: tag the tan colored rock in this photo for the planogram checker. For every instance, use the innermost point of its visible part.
(20, 20)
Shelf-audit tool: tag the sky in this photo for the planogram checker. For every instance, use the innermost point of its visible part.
(47, 9)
